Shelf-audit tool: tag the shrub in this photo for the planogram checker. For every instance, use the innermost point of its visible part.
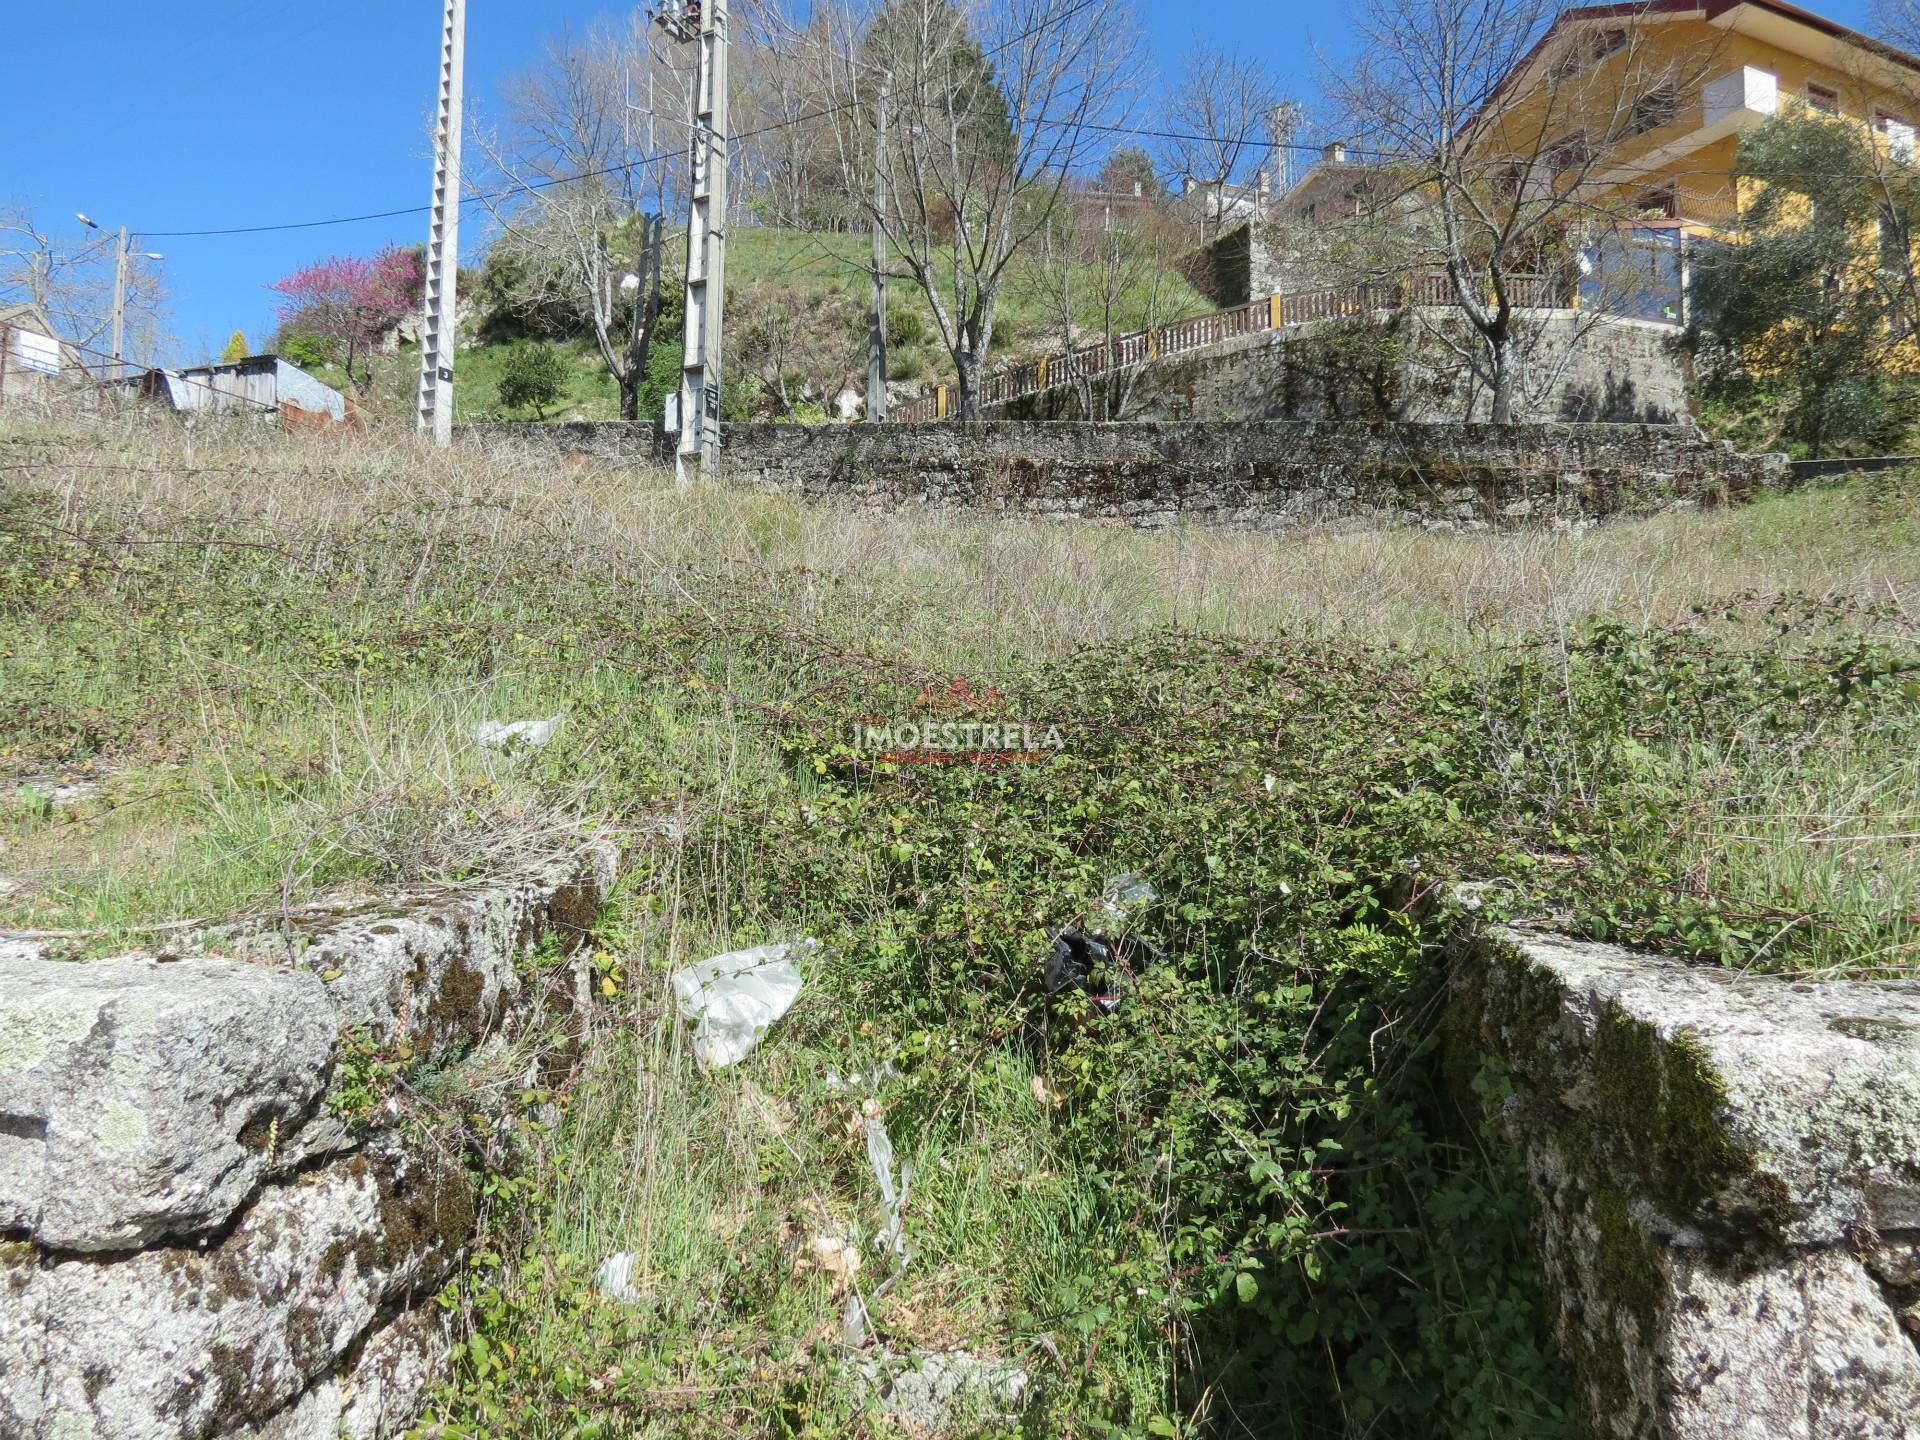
(304, 350)
(532, 378)
(904, 327)
(906, 364)
(236, 348)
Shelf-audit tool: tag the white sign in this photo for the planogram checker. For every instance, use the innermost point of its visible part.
(37, 352)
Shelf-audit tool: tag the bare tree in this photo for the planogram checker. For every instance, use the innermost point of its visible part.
(1898, 22)
(993, 106)
(589, 169)
(70, 277)
(787, 163)
(1105, 265)
(1500, 152)
(786, 348)
(1219, 116)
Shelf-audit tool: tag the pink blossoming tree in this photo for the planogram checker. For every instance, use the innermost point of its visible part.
(350, 301)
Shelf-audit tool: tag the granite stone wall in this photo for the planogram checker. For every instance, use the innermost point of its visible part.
(1273, 475)
(1725, 1175)
(217, 1216)
(1402, 366)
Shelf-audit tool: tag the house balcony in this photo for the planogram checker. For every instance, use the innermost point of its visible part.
(1735, 101)
(1738, 99)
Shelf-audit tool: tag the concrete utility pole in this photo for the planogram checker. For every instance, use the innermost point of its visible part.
(119, 301)
(877, 340)
(120, 257)
(698, 418)
(438, 323)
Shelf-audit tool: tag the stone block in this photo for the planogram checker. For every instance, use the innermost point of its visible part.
(141, 1099)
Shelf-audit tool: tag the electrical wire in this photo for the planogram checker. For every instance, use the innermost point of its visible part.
(682, 151)
(175, 374)
(1141, 132)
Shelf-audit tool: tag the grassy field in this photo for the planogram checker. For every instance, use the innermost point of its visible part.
(1224, 1210)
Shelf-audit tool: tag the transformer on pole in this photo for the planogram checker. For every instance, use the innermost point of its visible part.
(437, 340)
(697, 415)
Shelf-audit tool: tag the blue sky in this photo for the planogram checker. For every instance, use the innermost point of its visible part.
(225, 113)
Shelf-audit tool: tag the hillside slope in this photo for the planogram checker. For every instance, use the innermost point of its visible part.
(802, 282)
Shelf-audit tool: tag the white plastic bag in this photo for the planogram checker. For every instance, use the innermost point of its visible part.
(614, 1278)
(733, 999)
(516, 735)
(1124, 893)
(892, 1235)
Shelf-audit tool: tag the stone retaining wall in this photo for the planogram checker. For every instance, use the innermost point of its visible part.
(1399, 366)
(1274, 475)
(1725, 1171)
(216, 1223)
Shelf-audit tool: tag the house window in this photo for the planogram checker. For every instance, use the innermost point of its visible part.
(1567, 153)
(1660, 203)
(1655, 108)
(1897, 132)
(1580, 54)
(1823, 98)
(1896, 244)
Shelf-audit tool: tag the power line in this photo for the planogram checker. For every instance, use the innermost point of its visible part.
(664, 155)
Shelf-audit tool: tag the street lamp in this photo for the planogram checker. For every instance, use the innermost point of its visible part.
(119, 285)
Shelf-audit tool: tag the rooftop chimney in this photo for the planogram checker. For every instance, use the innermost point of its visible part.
(1336, 153)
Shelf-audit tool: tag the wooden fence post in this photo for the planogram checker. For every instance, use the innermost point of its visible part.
(1043, 372)
(1153, 342)
(1276, 311)
(939, 402)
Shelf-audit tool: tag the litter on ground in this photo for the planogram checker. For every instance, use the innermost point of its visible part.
(733, 999)
(516, 734)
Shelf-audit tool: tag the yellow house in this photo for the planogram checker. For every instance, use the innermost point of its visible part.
(1671, 85)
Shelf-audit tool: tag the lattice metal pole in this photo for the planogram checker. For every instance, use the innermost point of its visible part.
(877, 337)
(437, 338)
(699, 407)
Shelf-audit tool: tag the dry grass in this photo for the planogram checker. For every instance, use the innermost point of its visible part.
(1019, 589)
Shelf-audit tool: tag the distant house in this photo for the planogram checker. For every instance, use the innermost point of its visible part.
(257, 385)
(33, 359)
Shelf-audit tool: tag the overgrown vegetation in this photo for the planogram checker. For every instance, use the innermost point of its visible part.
(1243, 1204)
(1808, 321)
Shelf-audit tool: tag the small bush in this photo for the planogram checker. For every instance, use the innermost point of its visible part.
(306, 351)
(532, 378)
(905, 327)
(906, 364)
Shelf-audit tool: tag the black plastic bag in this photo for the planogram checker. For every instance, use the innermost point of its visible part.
(1103, 967)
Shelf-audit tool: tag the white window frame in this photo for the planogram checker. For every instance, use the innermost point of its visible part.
(1898, 133)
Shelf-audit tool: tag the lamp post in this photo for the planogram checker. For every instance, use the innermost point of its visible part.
(119, 286)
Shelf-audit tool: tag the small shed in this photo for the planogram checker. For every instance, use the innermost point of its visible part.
(258, 385)
(34, 360)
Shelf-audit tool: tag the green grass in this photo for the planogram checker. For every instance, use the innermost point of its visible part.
(1027, 324)
(1218, 1212)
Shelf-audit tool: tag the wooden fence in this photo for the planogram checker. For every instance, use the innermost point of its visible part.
(1183, 336)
